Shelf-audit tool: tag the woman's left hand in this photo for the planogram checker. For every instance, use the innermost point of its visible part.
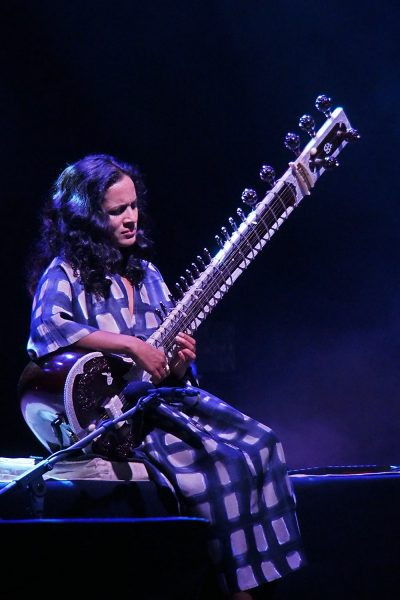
(184, 354)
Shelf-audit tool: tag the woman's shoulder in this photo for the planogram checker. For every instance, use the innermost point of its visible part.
(154, 285)
(60, 269)
(152, 273)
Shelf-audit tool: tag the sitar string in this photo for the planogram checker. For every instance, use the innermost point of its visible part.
(205, 296)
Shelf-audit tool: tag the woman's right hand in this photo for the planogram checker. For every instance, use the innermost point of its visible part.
(145, 356)
(149, 359)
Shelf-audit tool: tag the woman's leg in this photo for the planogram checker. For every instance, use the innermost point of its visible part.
(230, 469)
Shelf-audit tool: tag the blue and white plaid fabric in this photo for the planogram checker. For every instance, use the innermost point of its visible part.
(63, 312)
(225, 466)
(230, 469)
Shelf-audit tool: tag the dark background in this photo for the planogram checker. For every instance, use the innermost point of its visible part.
(200, 94)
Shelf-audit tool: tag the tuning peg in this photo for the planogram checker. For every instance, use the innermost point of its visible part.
(189, 276)
(184, 283)
(307, 124)
(207, 255)
(201, 262)
(164, 308)
(267, 174)
(324, 104)
(225, 233)
(195, 270)
(350, 134)
(249, 197)
(241, 214)
(292, 142)
(159, 314)
(233, 224)
(179, 290)
(328, 162)
(173, 299)
(219, 241)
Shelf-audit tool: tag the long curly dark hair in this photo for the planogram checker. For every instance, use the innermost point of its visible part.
(75, 226)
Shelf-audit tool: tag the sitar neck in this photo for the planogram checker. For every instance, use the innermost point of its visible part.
(239, 248)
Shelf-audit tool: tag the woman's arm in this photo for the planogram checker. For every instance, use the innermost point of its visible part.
(145, 356)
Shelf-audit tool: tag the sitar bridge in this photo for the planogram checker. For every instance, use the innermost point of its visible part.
(303, 177)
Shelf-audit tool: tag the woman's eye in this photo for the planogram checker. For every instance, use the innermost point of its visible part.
(116, 211)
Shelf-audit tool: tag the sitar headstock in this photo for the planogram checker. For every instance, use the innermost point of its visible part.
(319, 155)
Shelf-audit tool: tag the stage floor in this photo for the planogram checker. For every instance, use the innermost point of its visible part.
(349, 518)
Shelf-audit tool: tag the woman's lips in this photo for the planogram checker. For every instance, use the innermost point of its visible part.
(129, 234)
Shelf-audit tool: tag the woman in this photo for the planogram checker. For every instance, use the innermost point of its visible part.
(96, 290)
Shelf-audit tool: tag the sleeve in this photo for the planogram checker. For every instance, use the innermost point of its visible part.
(56, 320)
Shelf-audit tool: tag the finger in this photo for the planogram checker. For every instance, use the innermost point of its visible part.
(185, 337)
(186, 356)
(164, 371)
(183, 344)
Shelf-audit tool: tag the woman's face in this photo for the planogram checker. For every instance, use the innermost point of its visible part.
(120, 203)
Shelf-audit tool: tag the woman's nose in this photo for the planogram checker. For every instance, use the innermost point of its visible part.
(130, 214)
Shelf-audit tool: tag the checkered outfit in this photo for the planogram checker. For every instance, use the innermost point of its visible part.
(225, 466)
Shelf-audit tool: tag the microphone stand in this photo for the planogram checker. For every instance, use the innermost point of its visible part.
(33, 478)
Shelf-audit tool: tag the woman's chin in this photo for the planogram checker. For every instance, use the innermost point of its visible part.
(127, 242)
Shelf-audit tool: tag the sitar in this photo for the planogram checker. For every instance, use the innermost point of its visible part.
(66, 394)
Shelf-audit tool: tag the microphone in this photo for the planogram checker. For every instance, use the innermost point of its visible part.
(174, 392)
(174, 395)
(136, 389)
(143, 391)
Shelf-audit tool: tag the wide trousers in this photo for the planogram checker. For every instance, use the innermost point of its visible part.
(229, 469)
